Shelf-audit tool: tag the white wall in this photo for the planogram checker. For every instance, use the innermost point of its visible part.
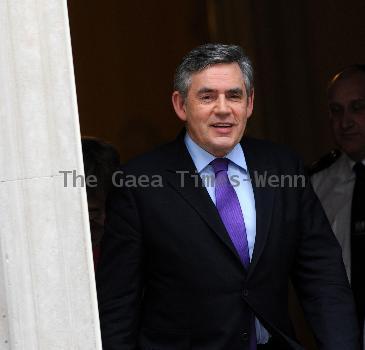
(47, 288)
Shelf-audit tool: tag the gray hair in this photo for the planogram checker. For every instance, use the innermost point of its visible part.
(209, 54)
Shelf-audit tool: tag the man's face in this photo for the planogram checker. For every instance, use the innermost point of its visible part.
(216, 108)
(96, 206)
(347, 114)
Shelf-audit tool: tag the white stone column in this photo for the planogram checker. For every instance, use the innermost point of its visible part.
(47, 287)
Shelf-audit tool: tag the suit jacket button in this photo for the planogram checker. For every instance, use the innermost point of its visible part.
(245, 336)
(245, 293)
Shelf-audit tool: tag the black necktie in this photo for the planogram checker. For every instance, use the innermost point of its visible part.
(358, 241)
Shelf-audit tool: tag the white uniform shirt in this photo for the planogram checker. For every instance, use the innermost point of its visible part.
(334, 187)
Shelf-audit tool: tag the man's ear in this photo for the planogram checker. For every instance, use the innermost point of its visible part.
(178, 102)
(250, 100)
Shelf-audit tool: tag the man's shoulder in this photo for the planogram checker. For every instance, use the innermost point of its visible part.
(269, 150)
(166, 154)
(336, 172)
(266, 145)
(325, 162)
(153, 160)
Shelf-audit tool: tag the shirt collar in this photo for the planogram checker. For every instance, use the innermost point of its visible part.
(351, 162)
(202, 158)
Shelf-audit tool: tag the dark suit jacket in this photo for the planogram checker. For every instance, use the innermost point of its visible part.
(170, 278)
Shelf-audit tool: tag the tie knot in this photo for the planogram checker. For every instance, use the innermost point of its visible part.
(219, 164)
(359, 169)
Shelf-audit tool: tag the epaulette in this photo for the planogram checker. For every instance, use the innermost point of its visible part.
(324, 162)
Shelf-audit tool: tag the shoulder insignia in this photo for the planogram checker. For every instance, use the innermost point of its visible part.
(324, 162)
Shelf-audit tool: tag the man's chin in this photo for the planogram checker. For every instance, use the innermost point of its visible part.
(355, 153)
(221, 149)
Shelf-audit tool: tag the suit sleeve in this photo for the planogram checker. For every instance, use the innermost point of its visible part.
(119, 275)
(320, 279)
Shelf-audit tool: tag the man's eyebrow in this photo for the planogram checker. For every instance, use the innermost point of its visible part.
(205, 90)
(236, 91)
(355, 100)
(231, 91)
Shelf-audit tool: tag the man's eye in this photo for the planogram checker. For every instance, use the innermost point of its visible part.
(235, 96)
(206, 98)
(358, 106)
(335, 109)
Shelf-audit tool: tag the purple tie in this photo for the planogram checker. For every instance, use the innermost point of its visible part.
(230, 212)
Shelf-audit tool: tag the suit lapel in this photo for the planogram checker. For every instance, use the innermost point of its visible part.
(182, 176)
(264, 196)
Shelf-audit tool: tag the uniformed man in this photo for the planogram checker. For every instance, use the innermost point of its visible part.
(339, 178)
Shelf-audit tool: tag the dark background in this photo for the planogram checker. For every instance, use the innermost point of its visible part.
(125, 53)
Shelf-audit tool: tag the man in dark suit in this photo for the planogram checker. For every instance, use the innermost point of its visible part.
(203, 234)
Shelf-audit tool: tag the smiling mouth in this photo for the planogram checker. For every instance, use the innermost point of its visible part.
(222, 125)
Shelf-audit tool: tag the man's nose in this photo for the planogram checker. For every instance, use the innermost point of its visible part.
(222, 106)
(347, 120)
